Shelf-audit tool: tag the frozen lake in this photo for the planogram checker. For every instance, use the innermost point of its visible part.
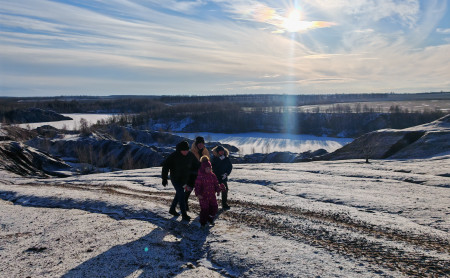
(248, 143)
(258, 142)
(70, 124)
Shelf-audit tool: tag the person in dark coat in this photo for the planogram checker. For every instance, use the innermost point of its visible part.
(198, 149)
(222, 167)
(181, 164)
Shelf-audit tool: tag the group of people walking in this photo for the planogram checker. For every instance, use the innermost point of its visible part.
(193, 169)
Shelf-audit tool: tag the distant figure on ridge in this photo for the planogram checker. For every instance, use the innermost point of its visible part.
(181, 164)
(199, 150)
(222, 168)
(206, 187)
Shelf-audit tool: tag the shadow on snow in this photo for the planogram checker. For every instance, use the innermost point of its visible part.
(148, 256)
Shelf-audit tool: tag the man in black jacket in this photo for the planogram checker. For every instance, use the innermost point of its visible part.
(182, 164)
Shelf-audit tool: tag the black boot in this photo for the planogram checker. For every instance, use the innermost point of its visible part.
(174, 212)
(186, 217)
(225, 206)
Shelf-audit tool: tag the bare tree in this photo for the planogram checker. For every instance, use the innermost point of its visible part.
(85, 156)
(368, 151)
(358, 107)
(84, 127)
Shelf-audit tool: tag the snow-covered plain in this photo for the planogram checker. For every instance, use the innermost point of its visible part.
(388, 218)
(258, 142)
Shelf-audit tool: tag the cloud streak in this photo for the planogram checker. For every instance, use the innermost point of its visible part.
(222, 47)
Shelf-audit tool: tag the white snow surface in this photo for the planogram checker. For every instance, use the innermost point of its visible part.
(70, 124)
(316, 219)
(258, 142)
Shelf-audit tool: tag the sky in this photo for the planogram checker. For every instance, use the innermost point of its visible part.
(209, 47)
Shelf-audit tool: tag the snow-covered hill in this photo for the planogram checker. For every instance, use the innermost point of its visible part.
(421, 141)
(389, 218)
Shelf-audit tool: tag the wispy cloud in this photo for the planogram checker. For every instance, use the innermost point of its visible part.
(281, 19)
(403, 12)
(443, 31)
(162, 46)
(188, 7)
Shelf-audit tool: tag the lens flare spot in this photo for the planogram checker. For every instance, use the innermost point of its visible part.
(293, 22)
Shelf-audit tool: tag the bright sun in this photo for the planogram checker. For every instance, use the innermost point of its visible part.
(293, 22)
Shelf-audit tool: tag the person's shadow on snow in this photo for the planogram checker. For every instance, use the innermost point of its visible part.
(166, 251)
(150, 255)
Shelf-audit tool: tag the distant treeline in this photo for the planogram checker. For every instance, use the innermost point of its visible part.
(298, 100)
(231, 118)
(95, 105)
(243, 113)
(138, 104)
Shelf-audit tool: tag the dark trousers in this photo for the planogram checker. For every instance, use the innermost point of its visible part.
(186, 198)
(179, 198)
(208, 210)
(225, 193)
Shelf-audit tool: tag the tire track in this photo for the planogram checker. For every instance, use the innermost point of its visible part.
(318, 231)
(343, 220)
(417, 264)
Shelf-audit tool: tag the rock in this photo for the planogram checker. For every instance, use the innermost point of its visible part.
(190, 265)
(27, 161)
(98, 152)
(15, 133)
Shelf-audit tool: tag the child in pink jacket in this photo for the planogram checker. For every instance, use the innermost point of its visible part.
(206, 187)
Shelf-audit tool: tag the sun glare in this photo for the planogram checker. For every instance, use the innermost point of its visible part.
(293, 22)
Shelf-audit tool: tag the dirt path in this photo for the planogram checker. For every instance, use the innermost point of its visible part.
(339, 233)
(414, 255)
